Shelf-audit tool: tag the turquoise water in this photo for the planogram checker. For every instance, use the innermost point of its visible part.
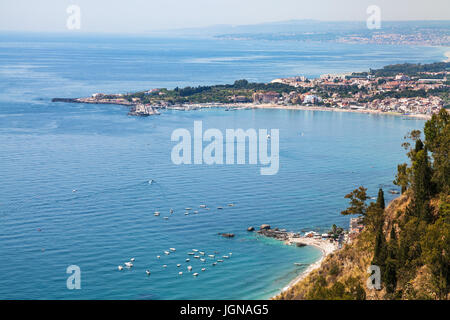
(49, 149)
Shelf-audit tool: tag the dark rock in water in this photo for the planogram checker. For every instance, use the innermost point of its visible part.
(275, 233)
(227, 235)
(299, 244)
(250, 229)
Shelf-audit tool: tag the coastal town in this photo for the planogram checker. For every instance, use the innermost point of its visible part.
(330, 90)
(420, 90)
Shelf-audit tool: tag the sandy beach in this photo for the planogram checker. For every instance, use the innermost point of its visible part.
(309, 108)
(324, 245)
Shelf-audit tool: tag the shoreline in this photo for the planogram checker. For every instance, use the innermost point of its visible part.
(325, 246)
(315, 108)
(251, 105)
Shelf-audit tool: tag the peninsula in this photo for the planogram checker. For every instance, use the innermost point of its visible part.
(406, 89)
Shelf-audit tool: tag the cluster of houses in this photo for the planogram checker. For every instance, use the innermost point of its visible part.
(338, 94)
(272, 97)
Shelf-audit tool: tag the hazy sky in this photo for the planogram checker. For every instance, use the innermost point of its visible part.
(137, 16)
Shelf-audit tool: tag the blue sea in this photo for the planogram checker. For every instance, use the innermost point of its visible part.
(49, 150)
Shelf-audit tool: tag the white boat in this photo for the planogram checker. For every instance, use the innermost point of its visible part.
(147, 272)
(220, 208)
(203, 206)
(180, 273)
(132, 259)
(191, 253)
(195, 250)
(178, 265)
(202, 260)
(120, 268)
(187, 208)
(203, 269)
(230, 254)
(164, 265)
(202, 253)
(195, 274)
(231, 204)
(186, 213)
(128, 264)
(214, 263)
(225, 257)
(172, 249)
(219, 260)
(157, 213)
(158, 257)
(167, 252)
(171, 211)
(189, 268)
(195, 212)
(196, 257)
(211, 255)
(187, 260)
(166, 218)
(268, 136)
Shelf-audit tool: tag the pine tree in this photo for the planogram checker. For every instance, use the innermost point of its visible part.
(401, 178)
(390, 275)
(358, 204)
(379, 255)
(390, 270)
(380, 199)
(422, 185)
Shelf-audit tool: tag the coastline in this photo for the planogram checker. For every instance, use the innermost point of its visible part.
(314, 108)
(325, 247)
(250, 105)
(303, 108)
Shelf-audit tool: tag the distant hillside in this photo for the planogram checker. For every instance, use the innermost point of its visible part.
(409, 240)
(432, 32)
(410, 69)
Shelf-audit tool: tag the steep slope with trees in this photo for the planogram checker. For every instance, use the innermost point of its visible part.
(409, 240)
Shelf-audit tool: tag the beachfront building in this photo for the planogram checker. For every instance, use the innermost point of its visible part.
(266, 97)
(311, 99)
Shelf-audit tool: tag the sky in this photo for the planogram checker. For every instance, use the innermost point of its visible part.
(141, 16)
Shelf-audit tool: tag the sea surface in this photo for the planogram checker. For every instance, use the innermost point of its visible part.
(74, 178)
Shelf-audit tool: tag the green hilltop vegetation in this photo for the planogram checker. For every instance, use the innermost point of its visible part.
(409, 240)
(209, 94)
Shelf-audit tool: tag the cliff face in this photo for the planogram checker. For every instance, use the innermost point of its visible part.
(343, 274)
